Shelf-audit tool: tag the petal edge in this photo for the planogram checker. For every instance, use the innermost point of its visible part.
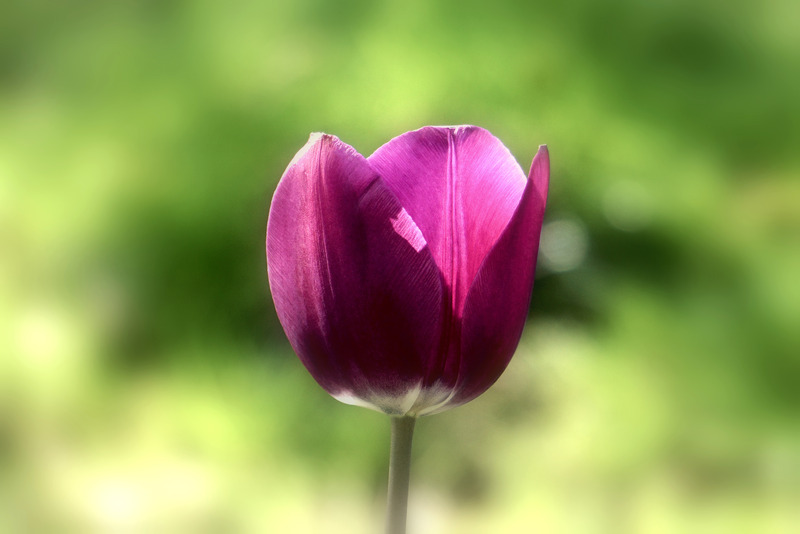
(497, 303)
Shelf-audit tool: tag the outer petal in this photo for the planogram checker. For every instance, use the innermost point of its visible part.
(354, 283)
(461, 185)
(498, 301)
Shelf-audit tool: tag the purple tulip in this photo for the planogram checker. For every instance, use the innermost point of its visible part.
(403, 280)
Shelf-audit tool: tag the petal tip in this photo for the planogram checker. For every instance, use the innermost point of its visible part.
(540, 166)
(313, 140)
(323, 139)
(456, 129)
(539, 174)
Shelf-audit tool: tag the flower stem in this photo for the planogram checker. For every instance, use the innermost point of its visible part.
(399, 473)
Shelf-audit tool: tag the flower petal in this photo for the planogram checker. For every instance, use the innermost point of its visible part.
(354, 283)
(497, 304)
(461, 186)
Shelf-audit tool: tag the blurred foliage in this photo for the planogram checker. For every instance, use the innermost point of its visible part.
(146, 385)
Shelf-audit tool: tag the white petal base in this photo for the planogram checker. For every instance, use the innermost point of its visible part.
(415, 403)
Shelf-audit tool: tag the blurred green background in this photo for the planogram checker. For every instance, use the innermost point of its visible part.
(146, 385)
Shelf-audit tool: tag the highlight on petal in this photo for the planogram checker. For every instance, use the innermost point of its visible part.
(461, 186)
(359, 300)
(497, 304)
(405, 226)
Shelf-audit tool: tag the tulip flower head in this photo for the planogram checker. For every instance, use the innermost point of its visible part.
(403, 279)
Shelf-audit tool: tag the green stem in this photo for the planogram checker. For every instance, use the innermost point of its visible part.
(399, 473)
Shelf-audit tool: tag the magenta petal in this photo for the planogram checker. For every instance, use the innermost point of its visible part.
(461, 185)
(497, 304)
(354, 283)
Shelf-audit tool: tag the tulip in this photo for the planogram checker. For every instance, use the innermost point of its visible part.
(403, 280)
